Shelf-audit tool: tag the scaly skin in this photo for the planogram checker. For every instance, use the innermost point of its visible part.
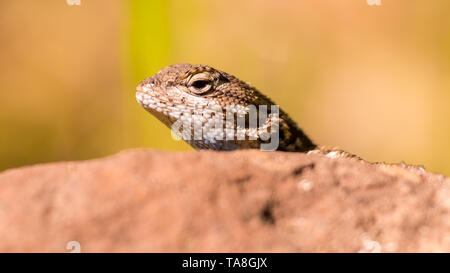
(178, 88)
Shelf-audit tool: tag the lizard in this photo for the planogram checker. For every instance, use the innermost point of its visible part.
(176, 90)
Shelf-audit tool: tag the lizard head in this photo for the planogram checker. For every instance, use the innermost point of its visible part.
(177, 92)
(181, 87)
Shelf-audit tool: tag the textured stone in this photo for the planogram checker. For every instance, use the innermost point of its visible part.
(245, 201)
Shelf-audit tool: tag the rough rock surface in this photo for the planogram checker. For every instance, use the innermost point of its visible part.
(246, 201)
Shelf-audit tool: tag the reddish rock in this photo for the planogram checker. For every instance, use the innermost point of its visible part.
(243, 201)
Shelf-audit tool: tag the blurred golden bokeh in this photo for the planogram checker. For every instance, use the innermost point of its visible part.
(373, 80)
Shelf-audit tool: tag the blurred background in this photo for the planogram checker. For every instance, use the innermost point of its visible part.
(373, 80)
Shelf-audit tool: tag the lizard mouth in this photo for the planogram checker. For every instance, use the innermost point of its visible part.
(152, 105)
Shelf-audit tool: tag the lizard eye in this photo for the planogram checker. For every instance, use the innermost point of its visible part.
(200, 83)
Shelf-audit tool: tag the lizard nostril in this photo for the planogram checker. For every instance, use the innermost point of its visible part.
(150, 80)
